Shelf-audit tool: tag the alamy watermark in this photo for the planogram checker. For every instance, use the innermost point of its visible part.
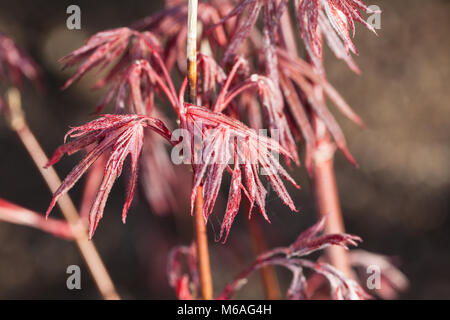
(74, 279)
(375, 17)
(73, 21)
(218, 146)
(373, 281)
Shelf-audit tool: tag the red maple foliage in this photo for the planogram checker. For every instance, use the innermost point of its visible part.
(186, 283)
(140, 68)
(179, 279)
(15, 64)
(290, 92)
(333, 19)
(224, 139)
(124, 135)
(104, 48)
(291, 258)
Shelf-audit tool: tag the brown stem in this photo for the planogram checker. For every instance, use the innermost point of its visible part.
(201, 236)
(87, 248)
(268, 275)
(191, 50)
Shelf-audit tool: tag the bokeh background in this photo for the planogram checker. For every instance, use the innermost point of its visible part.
(397, 201)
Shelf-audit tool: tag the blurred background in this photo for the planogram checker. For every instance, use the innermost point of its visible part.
(397, 201)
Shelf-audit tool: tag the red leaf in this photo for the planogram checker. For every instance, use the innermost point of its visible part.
(298, 82)
(393, 281)
(181, 280)
(16, 64)
(331, 18)
(224, 138)
(308, 242)
(121, 45)
(124, 134)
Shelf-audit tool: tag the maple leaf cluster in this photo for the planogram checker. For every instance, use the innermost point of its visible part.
(250, 78)
(292, 258)
(230, 139)
(123, 134)
(278, 91)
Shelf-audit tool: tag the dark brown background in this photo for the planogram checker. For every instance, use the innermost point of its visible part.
(398, 201)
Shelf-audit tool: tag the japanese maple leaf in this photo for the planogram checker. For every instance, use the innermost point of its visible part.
(271, 100)
(268, 93)
(222, 139)
(334, 19)
(117, 48)
(170, 23)
(123, 134)
(211, 78)
(182, 281)
(137, 69)
(298, 81)
(291, 258)
(247, 12)
(393, 280)
(134, 91)
(15, 65)
(160, 176)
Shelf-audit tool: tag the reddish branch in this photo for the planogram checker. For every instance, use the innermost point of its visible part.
(327, 197)
(323, 176)
(12, 213)
(201, 242)
(87, 248)
(201, 236)
(268, 274)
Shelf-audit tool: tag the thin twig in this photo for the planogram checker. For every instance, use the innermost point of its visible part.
(87, 248)
(200, 223)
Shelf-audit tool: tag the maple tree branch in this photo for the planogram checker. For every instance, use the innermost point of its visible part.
(327, 197)
(201, 242)
(323, 175)
(201, 236)
(87, 248)
(191, 50)
(268, 274)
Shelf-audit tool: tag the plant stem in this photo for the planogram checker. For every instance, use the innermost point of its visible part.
(87, 248)
(268, 275)
(326, 194)
(324, 179)
(191, 50)
(201, 236)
